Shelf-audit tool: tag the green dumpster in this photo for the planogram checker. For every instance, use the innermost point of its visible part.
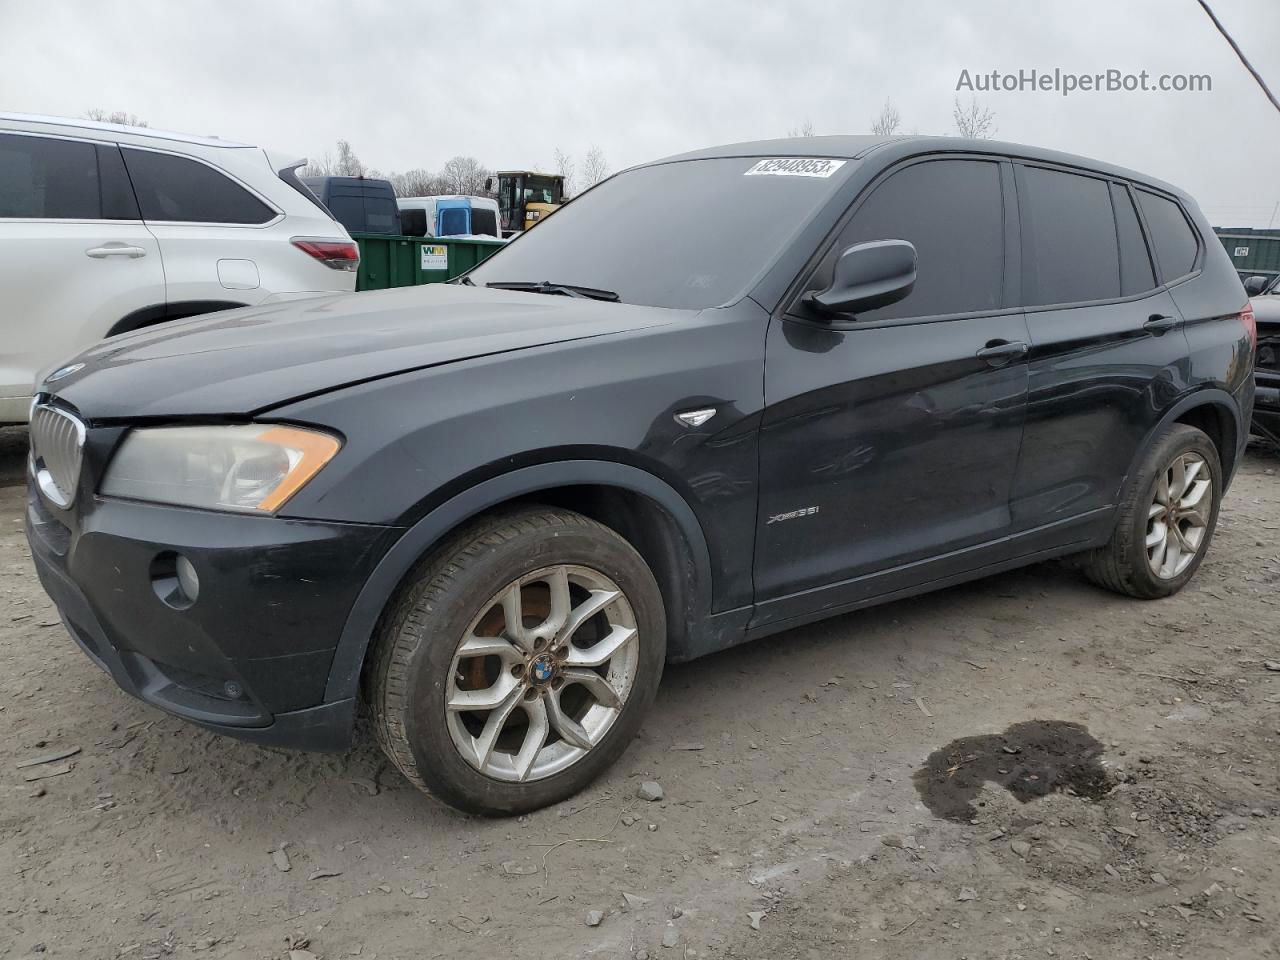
(1251, 250)
(408, 261)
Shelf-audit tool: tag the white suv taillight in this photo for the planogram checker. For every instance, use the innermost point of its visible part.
(336, 254)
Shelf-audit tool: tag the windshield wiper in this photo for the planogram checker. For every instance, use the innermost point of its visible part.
(561, 289)
(463, 279)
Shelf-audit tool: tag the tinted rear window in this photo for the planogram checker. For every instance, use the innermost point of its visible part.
(1136, 275)
(1172, 236)
(484, 222)
(1069, 247)
(171, 188)
(381, 215)
(41, 177)
(690, 234)
(453, 221)
(953, 213)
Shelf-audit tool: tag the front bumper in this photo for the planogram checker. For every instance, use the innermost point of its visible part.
(251, 656)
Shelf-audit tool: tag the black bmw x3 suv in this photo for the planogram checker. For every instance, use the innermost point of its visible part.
(714, 397)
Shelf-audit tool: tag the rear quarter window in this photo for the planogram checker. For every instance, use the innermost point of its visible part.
(1171, 234)
(179, 189)
(1136, 274)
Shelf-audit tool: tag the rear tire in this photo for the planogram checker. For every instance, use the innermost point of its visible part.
(480, 622)
(1165, 525)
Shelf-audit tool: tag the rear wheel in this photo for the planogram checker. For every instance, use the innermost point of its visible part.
(519, 662)
(1167, 518)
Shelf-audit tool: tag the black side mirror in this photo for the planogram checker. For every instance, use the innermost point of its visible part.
(867, 276)
(1253, 286)
(488, 184)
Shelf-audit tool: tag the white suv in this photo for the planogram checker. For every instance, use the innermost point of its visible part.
(106, 228)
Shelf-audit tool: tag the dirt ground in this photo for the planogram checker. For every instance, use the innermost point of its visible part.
(796, 773)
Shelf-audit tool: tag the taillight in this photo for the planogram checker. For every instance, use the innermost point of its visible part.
(1250, 325)
(336, 254)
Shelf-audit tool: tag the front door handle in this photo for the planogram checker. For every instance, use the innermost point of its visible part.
(1158, 323)
(116, 250)
(999, 352)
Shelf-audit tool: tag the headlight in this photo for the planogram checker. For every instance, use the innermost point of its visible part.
(253, 468)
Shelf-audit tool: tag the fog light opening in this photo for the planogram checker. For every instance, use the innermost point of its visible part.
(174, 580)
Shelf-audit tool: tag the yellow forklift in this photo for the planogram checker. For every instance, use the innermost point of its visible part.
(526, 197)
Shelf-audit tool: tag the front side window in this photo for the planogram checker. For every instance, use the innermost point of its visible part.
(1070, 252)
(689, 234)
(179, 189)
(1172, 236)
(952, 212)
(48, 179)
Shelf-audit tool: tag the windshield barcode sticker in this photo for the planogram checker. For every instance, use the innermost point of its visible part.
(795, 167)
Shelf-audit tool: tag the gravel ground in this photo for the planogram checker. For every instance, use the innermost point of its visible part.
(1021, 767)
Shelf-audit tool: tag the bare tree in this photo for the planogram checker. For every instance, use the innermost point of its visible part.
(888, 122)
(974, 120)
(804, 130)
(594, 167)
(464, 175)
(347, 163)
(566, 167)
(114, 116)
(321, 166)
(417, 183)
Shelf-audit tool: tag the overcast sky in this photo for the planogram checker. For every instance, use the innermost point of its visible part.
(411, 83)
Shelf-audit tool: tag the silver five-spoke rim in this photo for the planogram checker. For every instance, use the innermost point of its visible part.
(542, 673)
(1178, 517)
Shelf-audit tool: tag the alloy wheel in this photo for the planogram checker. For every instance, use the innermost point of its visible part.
(1178, 518)
(542, 674)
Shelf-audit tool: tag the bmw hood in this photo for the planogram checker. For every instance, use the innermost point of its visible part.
(244, 361)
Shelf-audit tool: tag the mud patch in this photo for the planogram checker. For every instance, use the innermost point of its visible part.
(1029, 760)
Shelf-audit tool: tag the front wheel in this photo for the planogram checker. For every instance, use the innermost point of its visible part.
(1166, 520)
(519, 661)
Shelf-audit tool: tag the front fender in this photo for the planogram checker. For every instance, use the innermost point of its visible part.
(348, 660)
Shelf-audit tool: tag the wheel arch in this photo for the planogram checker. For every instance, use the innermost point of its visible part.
(1211, 410)
(162, 312)
(641, 507)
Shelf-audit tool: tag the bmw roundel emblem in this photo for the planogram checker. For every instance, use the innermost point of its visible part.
(542, 669)
(64, 372)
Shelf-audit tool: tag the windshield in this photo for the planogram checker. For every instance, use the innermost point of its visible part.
(690, 235)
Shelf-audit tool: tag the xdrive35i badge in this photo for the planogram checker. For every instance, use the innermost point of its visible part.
(791, 515)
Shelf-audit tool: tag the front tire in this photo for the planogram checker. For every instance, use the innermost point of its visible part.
(1166, 520)
(518, 661)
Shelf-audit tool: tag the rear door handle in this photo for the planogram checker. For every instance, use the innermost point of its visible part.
(999, 352)
(116, 250)
(1158, 323)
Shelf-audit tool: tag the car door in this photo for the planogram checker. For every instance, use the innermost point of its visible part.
(890, 438)
(76, 257)
(215, 233)
(1106, 343)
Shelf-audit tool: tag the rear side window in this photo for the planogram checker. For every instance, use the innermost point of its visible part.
(348, 210)
(1171, 235)
(484, 222)
(381, 214)
(44, 178)
(952, 212)
(1136, 275)
(1069, 248)
(179, 189)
